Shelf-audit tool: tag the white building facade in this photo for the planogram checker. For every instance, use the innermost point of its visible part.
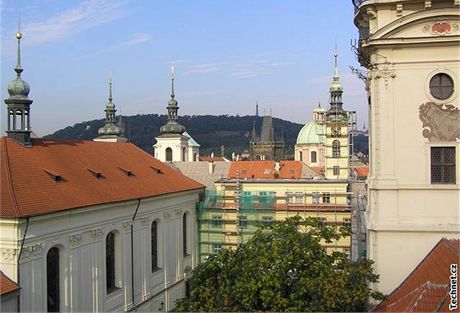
(411, 51)
(80, 237)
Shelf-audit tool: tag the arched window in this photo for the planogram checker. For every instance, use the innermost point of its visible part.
(313, 157)
(194, 157)
(336, 149)
(183, 154)
(52, 280)
(184, 234)
(110, 262)
(169, 155)
(300, 156)
(154, 245)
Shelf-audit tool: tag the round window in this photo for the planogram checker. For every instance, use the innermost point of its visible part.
(441, 86)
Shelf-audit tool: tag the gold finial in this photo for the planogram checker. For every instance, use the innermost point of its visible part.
(18, 33)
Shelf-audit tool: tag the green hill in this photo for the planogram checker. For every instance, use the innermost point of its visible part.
(209, 131)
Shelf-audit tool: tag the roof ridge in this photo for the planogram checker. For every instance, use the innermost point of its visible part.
(9, 177)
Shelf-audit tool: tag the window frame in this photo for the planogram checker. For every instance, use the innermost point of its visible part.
(443, 166)
(54, 276)
(336, 170)
(154, 257)
(185, 236)
(440, 76)
(336, 149)
(326, 197)
(111, 281)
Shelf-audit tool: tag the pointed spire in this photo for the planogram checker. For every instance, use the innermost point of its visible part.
(110, 87)
(111, 131)
(173, 76)
(18, 102)
(172, 126)
(18, 68)
(336, 85)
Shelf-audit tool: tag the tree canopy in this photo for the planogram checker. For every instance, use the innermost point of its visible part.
(282, 269)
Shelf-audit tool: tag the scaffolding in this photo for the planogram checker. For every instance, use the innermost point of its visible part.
(228, 219)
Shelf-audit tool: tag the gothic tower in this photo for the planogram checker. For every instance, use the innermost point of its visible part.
(18, 104)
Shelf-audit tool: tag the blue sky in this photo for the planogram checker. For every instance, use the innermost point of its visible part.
(228, 54)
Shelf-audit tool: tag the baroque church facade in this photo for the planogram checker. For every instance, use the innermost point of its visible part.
(90, 226)
(411, 52)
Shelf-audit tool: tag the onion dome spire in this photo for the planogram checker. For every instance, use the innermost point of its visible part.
(336, 89)
(111, 129)
(172, 126)
(18, 102)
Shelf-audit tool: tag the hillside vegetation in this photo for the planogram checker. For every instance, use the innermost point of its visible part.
(210, 131)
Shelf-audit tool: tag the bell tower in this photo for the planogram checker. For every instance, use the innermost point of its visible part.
(18, 103)
(337, 135)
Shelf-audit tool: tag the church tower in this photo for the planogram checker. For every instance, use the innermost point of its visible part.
(18, 104)
(337, 137)
(172, 145)
(112, 131)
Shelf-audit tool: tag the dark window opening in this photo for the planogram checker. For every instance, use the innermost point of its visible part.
(443, 165)
(169, 155)
(110, 262)
(313, 156)
(52, 280)
(154, 245)
(336, 149)
(184, 234)
(441, 86)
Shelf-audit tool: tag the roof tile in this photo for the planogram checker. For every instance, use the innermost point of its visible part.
(28, 190)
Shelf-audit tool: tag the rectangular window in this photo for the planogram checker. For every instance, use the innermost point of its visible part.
(217, 221)
(443, 165)
(346, 221)
(243, 221)
(336, 170)
(315, 196)
(216, 247)
(267, 220)
(289, 197)
(298, 197)
(326, 197)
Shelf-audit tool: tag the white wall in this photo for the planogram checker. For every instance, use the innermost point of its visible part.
(80, 236)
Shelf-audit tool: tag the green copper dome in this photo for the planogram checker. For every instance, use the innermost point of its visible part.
(18, 88)
(311, 133)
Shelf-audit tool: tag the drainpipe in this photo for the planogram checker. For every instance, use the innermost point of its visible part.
(19, 258)
(132, 250)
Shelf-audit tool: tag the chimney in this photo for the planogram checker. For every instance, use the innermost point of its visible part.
(211, 167)
(277, 169)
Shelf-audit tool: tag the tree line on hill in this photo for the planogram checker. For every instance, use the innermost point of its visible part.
(210, 131)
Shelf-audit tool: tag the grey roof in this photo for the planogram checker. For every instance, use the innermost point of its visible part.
(266, 134)
(199, 171)
(191, 141)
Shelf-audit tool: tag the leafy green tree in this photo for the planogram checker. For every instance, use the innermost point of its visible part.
(282, 269)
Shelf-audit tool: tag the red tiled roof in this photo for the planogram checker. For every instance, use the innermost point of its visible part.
(361, 171)
(54, 175)
(426, 289)
(265, 169)
(6, 284)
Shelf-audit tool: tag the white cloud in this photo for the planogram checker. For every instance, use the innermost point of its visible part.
(203, 68)
(136, 40)
(86, 15)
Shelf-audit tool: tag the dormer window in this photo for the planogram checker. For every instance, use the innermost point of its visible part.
(96, 174)
(127, 172)
(55, 177)
(156, 170)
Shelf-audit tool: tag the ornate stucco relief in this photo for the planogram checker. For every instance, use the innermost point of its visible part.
(440, 122)
(440, 28)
